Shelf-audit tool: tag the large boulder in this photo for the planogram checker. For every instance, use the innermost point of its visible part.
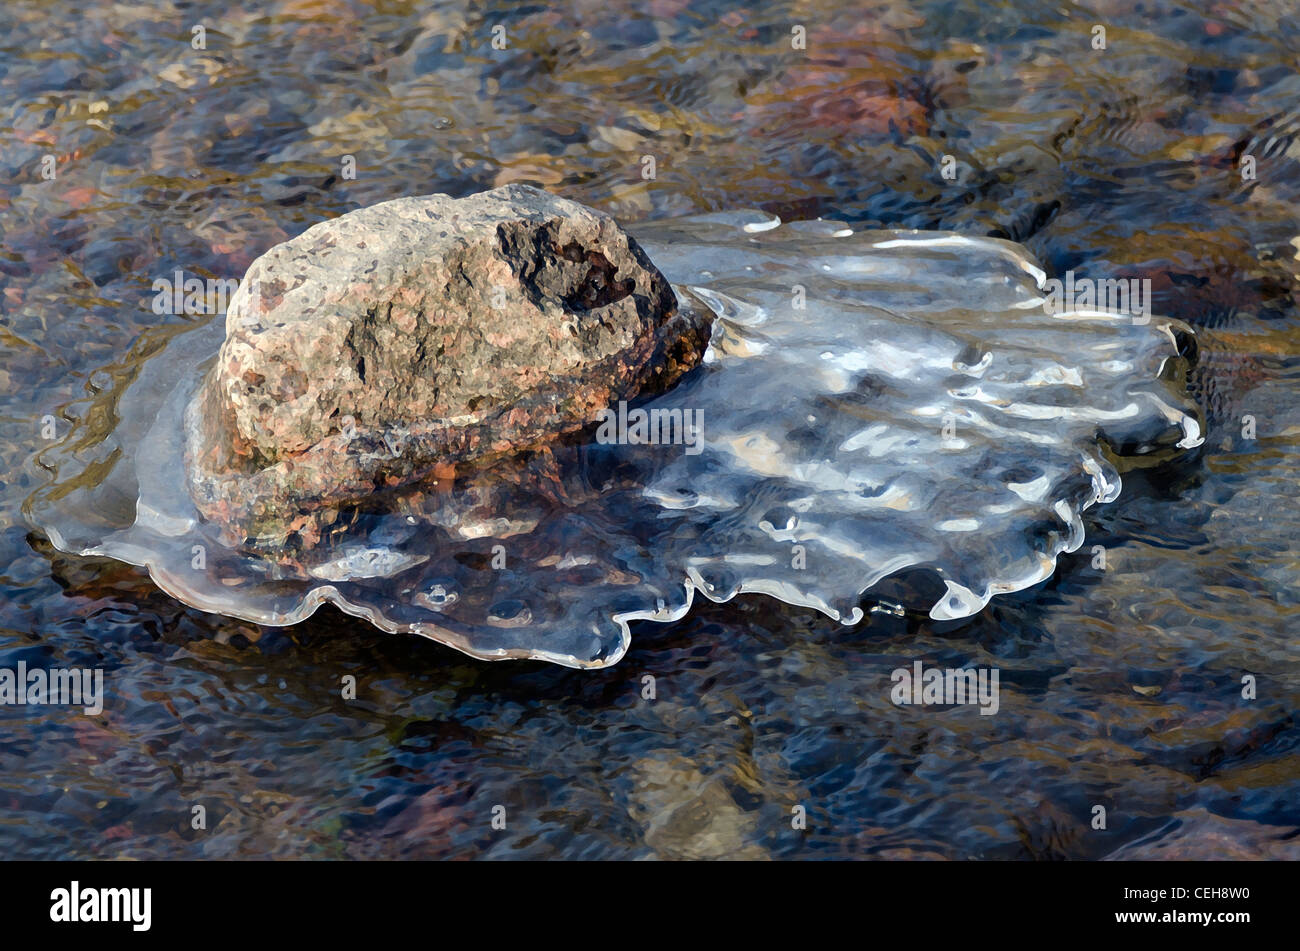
(422, 334)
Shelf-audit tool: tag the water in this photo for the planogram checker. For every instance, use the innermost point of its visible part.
(1120, 686)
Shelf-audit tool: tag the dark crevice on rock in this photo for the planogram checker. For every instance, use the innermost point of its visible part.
(598, 288)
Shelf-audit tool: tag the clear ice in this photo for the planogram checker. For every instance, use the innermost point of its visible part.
(871, 404)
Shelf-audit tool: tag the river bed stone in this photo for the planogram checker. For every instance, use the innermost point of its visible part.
(416, 335)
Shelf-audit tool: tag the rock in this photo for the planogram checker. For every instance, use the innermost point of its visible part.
(688, 815)
(418, 335)
(850, 79)
(1198, 835)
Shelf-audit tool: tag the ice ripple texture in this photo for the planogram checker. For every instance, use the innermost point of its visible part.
(873, 405)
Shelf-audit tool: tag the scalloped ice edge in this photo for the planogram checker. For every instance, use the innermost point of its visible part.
(966, 603)
(957, 602)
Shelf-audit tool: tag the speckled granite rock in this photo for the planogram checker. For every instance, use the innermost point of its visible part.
(420, 334)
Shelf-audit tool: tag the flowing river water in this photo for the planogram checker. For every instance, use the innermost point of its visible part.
(1154, 676)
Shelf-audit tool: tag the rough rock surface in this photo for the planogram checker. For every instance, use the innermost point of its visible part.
(412, 336)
